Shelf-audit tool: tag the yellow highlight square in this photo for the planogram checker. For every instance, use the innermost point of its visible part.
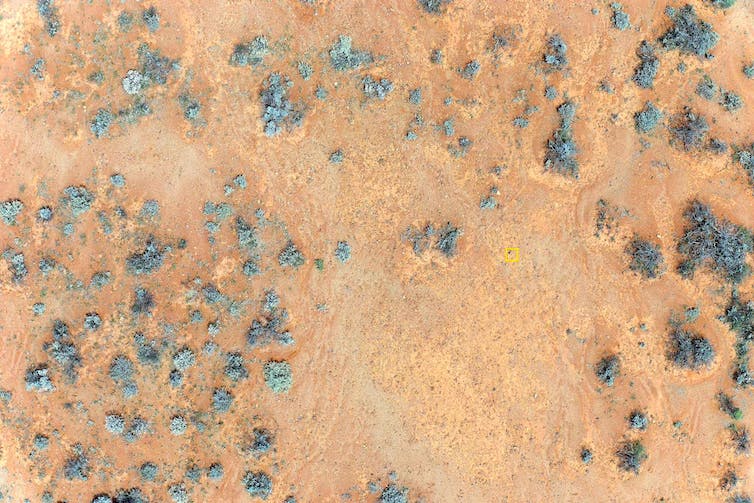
(511, 256)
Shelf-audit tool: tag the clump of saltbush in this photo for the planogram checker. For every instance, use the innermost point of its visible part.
(278, 111)
(376, 88)
(344, 56)
(739, 316)
(718, 243)
(148, 260)
(445, 238)
(278, 376)
(689, 34)
(49, 14)
(10, 209)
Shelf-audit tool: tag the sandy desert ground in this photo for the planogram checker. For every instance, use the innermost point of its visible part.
(197, 204)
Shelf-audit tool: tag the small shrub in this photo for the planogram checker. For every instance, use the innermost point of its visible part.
(178, 425)
(215, 471)
(235, 369)
(447, 239)
(607, 369)
(560, 156)
(470, 70)
(706, 88)
(78, 199)
(745, 157)
(154, 67)
(100, 124)
(415, 96)
(620, 19)
(76, 467)
(717, 146)
(148, 471)
(125, 21)
(739, 435)
(151, 19)
(257, 484)
(729, 480)
(262, 441)
(434, 6)
(647, 118)
(555, 56)
(222, 399)
(121, 369)
(191, 108)
(41, 442)
(139, 428)
(184, 358)
(586, 455)
(739, 316)
(721, 4)
(646, 258)
(688, 129)
(133, 495)
(637, 420)
(728, 407)
(143, 302)
(730, 101)
(631, 455)
(16, 265)
(147, 261)
(649, 64)
(38, 379)
(115, 424)
(291, 256)
(343, 251)
(394, 494)
(178, 493)
(690, 350)
(250, 53)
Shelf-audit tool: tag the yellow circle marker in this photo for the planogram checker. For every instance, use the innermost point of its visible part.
(512, 255)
